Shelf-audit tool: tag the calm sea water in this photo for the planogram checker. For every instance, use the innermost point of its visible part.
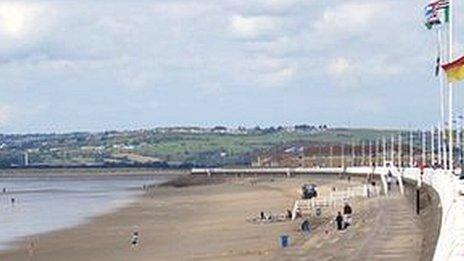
(44, 204)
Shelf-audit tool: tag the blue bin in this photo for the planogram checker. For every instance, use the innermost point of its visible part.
(283, 241)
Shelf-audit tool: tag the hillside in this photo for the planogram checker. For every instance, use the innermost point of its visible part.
(181, 146)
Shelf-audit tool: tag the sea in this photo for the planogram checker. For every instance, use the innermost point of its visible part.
(49, 203)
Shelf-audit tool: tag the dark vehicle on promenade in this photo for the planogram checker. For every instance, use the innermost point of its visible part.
(308, 191)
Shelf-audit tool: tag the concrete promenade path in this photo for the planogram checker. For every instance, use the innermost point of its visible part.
(387, 228)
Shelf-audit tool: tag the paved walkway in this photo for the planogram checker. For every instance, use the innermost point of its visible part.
(386, 229)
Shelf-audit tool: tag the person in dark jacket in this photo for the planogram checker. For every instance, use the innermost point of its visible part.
(306, 226)
(339, 220)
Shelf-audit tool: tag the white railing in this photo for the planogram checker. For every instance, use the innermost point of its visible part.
(336, 197)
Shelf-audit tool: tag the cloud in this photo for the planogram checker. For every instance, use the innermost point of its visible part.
(338, 66)
(267, 7)
(276, 78)
(18, 19)
(57, 52)
(349, 17)
(252, 27)
(183, 10)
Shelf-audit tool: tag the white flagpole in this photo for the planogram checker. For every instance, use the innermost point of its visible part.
(445, 147)
(370, 153)
(450, 88)
(363, 154)
(331, 157)
(343, 156)
(442, 129)
(399, 150)
(411, 149)
(353, 157)
(392, 152)
(458, 141)
(384, 151)
(439, 142)
(423, 148)
(432, 146)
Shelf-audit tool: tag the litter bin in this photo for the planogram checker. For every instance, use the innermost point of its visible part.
(283, 241)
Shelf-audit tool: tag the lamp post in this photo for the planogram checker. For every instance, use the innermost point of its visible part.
(384, 150)
(400, 154)
(424, 159)
(392, 151)
(370, 153)
(411, 149)
(459, 139)
(363, 153)
(353, 157)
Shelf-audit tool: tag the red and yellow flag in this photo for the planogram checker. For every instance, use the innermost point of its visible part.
(455, 70)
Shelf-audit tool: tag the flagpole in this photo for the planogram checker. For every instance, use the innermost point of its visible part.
(411, 150)
(343, 156)
(384, 150)
(442, 129)
(400, 155)
(370, 153)
(439, 151)
(392, 148)
(450, 88)
(432, 146)
(363, 154)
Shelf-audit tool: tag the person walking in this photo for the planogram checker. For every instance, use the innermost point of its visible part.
(347, 212)
(339, 221)
(389, 181)
(306, 227)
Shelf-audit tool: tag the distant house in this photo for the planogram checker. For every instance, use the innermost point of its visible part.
(219, 129)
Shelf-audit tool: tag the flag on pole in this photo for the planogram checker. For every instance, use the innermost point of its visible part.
(436, 12)
(445, 6)
(431, 16)
(455, 70)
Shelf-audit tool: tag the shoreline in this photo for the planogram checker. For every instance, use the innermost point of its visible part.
(130, 194)
(161, 210)
(83, 172)
(17, 244)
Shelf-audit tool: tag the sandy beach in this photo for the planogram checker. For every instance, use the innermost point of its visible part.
(205, 221)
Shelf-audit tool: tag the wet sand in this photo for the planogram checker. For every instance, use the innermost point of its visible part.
(205, 222)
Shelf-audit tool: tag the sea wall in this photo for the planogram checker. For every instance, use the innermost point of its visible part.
(450, 244)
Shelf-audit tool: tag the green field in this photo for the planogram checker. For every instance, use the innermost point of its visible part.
(207, 148)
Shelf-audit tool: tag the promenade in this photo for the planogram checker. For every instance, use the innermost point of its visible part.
(395, 232)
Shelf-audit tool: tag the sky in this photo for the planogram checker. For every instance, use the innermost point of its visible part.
(124, 64)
